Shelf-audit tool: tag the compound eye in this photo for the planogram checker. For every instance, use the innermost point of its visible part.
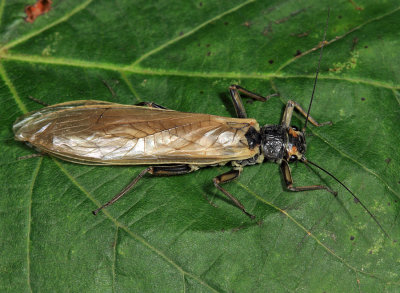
(293, 158)
(295, 128)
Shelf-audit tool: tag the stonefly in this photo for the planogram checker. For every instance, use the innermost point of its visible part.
(171, 142)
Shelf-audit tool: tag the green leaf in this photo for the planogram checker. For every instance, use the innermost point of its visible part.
(165, 236)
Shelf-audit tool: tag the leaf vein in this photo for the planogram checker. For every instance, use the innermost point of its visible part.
(172, 41)
(114, 258)
(28, 256)
(2, 4)
(12, 89)
(358, 163)
(135, 236)
(319, 242)
(288, 62)
(130, 86)
(151, 71)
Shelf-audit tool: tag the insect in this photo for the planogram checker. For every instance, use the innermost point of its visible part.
(171, 142)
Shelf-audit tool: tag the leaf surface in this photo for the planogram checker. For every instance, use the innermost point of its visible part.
(165, 236)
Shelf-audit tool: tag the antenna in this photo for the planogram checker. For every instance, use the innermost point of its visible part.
(354, 196)
(316, 75)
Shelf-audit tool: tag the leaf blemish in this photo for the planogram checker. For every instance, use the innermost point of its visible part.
(356, 7)
(351, 63)
(282, 20)
(37, 9)
(355, 42)
(268, 29)
(298, 53)
(247, 24)
(300, 35)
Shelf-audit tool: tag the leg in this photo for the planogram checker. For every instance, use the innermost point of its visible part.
(158, 171)
(35, 155)
(38, 101)
(226, 177)
(237, 101)
(287, 115)
(150, 105)
(109, 88)
(287, 175)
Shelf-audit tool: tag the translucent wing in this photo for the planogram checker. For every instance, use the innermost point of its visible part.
(94, 132)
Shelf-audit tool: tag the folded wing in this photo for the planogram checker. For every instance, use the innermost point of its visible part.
(94, 132)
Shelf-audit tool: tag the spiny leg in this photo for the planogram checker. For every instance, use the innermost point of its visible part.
(38, 101)
(237, 101)
(287, 175)
(287, 115)
(31, 156)
(150, 105)
(157, 171)
(226, 177)
(109, 88)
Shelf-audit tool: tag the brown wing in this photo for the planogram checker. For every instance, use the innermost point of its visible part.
(94, 132)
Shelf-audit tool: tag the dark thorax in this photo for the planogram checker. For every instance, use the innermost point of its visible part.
(282, 143)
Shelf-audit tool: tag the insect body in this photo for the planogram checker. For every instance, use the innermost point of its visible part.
(103, 133)
(172, 142)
